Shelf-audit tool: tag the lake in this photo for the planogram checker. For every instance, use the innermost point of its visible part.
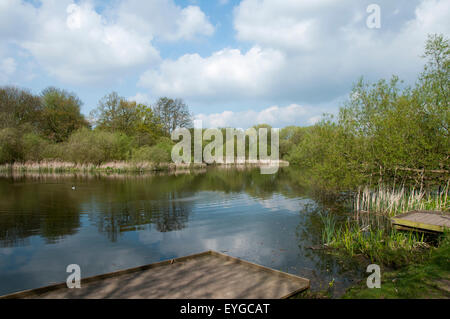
(113, 222)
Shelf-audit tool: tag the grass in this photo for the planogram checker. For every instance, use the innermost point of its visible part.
(111, 167)
(417, 269)
(393, 201)
(55, 166)
(369, 233)
(385, 246)
(429, 279)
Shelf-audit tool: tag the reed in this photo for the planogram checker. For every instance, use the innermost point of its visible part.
(393, 201)
(380, 245)
(368, 231)
(110, 167)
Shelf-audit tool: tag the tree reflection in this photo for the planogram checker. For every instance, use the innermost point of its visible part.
(28, 209)
(46, 205)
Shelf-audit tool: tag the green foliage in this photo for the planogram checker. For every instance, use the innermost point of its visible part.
(35, 147)
(11, 148)
(97, 147)
(61, 114)
(114, 113)
(328, 152)
(382, 127)
(160, 153)
(147, 128)
(289, 137)
(428, 279)
(379, 244)
(19, 107)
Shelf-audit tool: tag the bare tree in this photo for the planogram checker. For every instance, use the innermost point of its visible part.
(173, 114)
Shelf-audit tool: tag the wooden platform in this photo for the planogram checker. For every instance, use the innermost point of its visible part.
(430, 221)
(208, 275)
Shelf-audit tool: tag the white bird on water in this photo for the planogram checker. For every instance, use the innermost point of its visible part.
(73, 188)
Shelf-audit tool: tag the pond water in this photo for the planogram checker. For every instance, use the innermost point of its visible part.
(113, 222)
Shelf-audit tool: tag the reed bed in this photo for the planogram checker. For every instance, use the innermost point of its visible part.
(110, 167)
(393, 201)
(380, 245)
(368, 232)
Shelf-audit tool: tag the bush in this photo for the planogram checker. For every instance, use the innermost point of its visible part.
(159, 153)
(34, 147)
(97, 147)
(11, 148)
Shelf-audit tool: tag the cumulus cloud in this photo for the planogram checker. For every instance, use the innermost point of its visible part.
(275, 116)
(327, 42)
(226, 72)
(305, 51)
(164, 19)
(77, 44)
(140, 98)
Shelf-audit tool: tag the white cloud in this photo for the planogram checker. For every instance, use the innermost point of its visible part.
(304, 52)
(164, 18)
(7, 69)
(275, 116)
(226, 72)
(76, 44)
(140, 98)
(314, 119)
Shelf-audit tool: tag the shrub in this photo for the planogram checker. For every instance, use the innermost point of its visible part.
(11, 148)
(86, 146)
(34, 147)
(159, 153)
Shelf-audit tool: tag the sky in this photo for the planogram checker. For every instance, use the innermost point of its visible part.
(234, 63)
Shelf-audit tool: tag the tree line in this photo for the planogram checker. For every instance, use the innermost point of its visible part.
(383, 130)
(51, 126)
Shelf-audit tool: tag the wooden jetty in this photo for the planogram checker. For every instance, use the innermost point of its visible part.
(208, 275)
(425, 221)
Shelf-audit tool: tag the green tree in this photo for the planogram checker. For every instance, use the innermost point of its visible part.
(11, 148)
(114, 113)
(147, 128)
(19, 107)
(61, 114)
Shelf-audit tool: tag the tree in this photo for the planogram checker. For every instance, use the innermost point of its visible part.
(432, 97)
(11, 148)
(147, 128)
(173, 114)
(97, 146)
(114, 113)
(19, 107)
(61, 114)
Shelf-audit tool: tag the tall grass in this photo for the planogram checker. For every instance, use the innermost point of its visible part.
(379, 244)
(113, 167)
(393, 201)
(368, 230)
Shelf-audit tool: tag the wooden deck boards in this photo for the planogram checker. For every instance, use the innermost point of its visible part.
(423, 221)
(208, 275)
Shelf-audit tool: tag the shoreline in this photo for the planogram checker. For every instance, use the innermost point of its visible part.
(125, 166)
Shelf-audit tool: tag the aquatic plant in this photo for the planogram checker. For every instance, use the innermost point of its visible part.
(393, 201)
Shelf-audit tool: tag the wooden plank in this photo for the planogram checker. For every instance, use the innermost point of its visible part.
(423, 220)
(205, 275)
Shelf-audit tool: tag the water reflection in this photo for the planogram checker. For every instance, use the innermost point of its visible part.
(112, 222)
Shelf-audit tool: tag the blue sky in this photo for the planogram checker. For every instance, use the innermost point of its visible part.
(235, 63)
